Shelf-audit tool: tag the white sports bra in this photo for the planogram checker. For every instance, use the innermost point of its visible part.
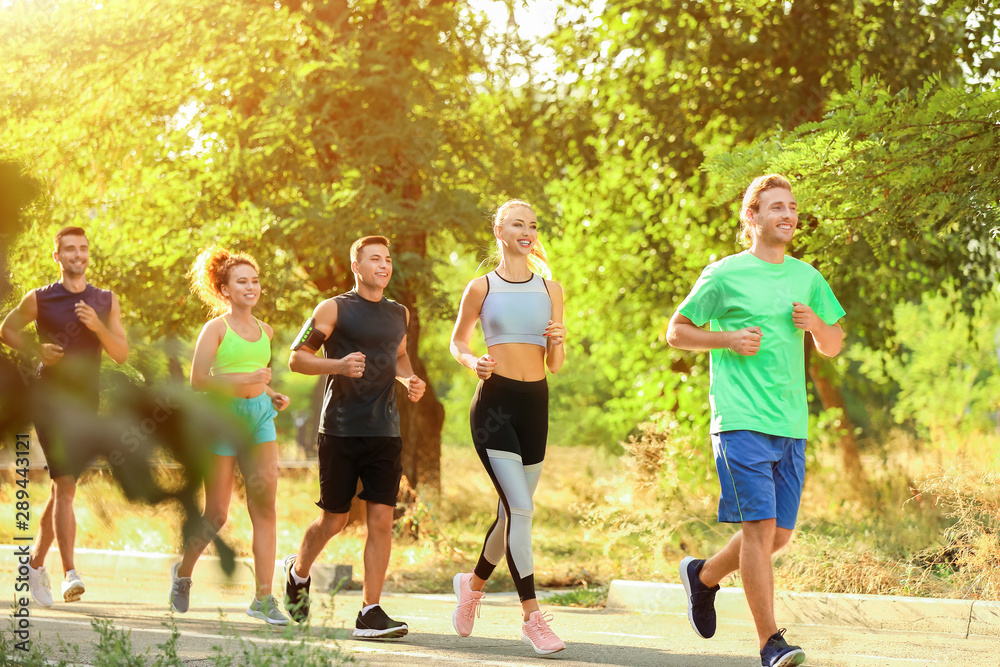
(515, 312)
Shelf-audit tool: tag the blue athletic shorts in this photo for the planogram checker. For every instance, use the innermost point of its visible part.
(761, 476)
(256, 415)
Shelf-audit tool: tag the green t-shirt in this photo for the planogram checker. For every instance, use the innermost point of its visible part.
(765, 392)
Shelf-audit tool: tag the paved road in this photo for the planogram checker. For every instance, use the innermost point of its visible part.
(594, 638)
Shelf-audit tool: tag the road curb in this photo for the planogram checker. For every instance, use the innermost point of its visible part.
(126, 565)
(874, 612)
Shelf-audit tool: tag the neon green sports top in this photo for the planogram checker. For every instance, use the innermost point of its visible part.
(765, 392)
(238, 355)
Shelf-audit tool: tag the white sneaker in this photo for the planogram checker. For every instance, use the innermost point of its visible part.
(38, 583)
(72, 587)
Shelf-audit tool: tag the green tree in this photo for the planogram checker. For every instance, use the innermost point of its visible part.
(648, 91)
(285, 129)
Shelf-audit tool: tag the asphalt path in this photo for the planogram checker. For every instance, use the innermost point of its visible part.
(217, 622)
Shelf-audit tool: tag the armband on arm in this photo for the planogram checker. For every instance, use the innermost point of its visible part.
(309, 336)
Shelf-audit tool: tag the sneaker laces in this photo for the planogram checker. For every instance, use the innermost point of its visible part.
(471, 607)
(182, 585)
(43, 578)
(542, 623)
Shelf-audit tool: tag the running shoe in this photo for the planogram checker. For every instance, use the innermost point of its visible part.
(267, 610)
(375, 624)
(536, 632)
(468, 604)
(72, 587)
(180, 591)
(296, 594)
(777, 652)
(38, 583)
(701, 598)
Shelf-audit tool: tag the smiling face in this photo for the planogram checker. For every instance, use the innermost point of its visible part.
(776, 218)
(518, 231)
(72, 255)
(242, 288)
(373, 267)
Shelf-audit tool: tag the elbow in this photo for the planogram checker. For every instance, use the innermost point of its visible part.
(294, 363)
(671, 337)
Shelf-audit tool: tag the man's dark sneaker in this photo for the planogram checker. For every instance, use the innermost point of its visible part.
(701, 598)
(777, 652)
(374, 624)
(296, 594)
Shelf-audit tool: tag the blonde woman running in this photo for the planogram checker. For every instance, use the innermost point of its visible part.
(231, 357)
(521, 314)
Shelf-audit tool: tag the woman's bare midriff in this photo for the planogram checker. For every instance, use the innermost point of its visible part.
(249, 390)
(519, 361)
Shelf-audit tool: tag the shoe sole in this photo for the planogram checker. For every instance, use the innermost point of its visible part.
(293, 614)
(262, 617)
(687, 589)
(527, 640)
(392, 633)
(74, 593)
(456, 584)
(790, 659)
(41, 603)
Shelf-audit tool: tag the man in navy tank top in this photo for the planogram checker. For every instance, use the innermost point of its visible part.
(75, 321)
(363, 337)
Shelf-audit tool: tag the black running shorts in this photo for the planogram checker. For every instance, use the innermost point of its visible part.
(377, 461)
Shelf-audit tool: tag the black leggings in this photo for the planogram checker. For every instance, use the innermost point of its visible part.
(510, 423)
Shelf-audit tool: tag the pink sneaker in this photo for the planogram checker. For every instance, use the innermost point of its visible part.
(468, 604)
(536, 631)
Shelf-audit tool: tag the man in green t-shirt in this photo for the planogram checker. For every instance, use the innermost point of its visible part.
(758, 304)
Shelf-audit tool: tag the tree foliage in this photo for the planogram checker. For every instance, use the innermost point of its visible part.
(648, 90)
(287, 130)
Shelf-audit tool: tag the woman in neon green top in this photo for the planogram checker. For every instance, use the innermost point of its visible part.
(231, 357)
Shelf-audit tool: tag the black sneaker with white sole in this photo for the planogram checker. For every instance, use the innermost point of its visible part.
(296, 594)
(777, 652)
(375, 624)
(701, 598)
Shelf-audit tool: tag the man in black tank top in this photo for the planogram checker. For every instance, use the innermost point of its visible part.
(363, 337)
(75, 322)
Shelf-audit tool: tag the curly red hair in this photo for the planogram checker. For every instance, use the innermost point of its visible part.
(211, 271)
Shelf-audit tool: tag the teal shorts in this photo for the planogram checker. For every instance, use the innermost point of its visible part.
(256, 415)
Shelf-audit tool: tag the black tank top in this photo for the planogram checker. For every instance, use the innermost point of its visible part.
(365, 406)
(58, 324)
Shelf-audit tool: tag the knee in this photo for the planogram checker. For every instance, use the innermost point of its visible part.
(781, 539)
(524, 514)
(64, 489)
(379, 518)
(217, 515)
(330, 524)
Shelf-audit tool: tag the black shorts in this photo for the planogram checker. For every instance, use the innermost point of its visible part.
(66, 423)
(376, 460)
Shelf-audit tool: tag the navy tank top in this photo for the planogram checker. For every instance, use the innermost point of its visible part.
(365, 406)
(58, 324)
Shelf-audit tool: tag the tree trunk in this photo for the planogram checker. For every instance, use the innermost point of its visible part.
(420, 422)
(830, 396)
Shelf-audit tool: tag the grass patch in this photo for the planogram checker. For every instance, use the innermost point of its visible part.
(591, 598)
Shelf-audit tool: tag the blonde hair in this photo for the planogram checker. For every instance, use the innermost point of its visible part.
(751, 202)
(211, 271)
(538, 260)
